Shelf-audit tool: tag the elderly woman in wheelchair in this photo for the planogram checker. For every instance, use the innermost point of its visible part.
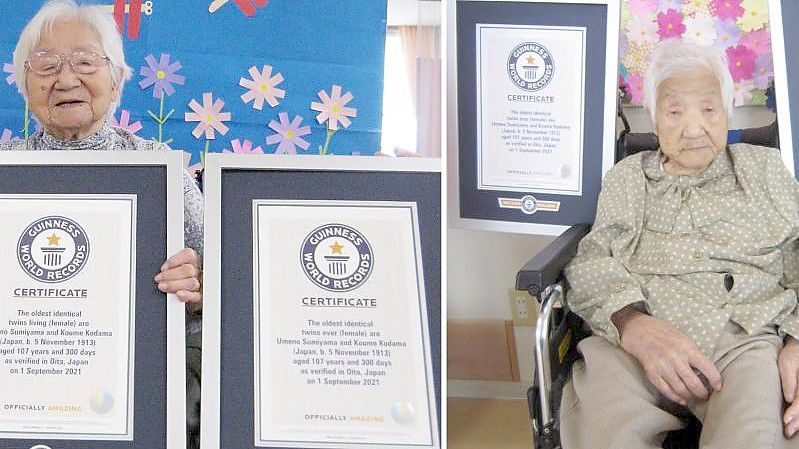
(688, 280)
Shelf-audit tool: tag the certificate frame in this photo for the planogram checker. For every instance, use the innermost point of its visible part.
(159, 392)
(786, 84)
(228, 397)
(526, 209)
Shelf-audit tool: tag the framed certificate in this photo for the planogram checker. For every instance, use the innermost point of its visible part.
(328, 334)
(91, 353)
(535, 112)
(786, 83)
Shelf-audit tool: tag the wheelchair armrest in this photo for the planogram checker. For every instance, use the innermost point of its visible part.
(545, 268)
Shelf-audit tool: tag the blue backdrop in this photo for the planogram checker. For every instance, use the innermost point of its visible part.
(312, 44)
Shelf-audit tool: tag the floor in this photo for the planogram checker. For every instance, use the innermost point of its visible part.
(488, 423)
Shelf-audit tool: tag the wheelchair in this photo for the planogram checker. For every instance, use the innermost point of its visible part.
(558, 330)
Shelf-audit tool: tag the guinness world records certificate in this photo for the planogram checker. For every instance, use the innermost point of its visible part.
(339, 319)
(530, 90)
(66, 327)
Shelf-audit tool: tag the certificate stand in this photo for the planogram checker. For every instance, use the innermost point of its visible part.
(328, 302)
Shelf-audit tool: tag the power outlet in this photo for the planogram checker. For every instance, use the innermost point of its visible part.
(522, 307)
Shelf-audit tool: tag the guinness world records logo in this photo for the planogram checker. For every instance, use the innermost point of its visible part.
(53, 249)
(530, 66)
(336, 257)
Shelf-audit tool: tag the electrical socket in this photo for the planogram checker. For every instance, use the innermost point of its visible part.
(522, 307)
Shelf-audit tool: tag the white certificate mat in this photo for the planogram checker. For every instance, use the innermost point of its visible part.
(530, 107)
(66, 320)
(341, 356)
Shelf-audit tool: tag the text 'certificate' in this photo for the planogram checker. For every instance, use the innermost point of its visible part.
(66, 322)
(341, 344)
(530, 102)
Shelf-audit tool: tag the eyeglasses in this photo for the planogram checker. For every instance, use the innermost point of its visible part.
(84, 62)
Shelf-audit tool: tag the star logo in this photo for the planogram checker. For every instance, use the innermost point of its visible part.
(530, 59)
(336, 248)
(53, 239)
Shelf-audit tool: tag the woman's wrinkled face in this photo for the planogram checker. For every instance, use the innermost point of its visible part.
(690, 121)
(71, 105)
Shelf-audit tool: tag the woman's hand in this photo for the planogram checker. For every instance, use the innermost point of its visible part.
(670, 360)
(788, 362)
(181, 275)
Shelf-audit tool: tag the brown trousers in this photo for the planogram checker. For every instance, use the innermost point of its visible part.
(610, 404)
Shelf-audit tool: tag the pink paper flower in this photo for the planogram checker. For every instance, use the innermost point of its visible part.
(641, 7)
(741, 61)
(7, 136)
(333, 108)
(243, 148)
(12, 77)
(124, 122)
(288, 134)
(635, 84)
(764, 71)
(728, 9)
(758, 41)
(670, 24)
(642, 30)
(262, 88)
(209, 115)
(743, 92)
(192, 169)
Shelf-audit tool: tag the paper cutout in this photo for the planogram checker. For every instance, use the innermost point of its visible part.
(288, 134)
(12, 77)
(161, 75)
(247, 7)
(332, 108)
(209, 115)
(243, 147)
(124, 122)
(737, 27)
(262, 87)
(7, 136)
(134, 11)
(192, 169)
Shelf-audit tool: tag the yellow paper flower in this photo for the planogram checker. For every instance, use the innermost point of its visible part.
(755, 15)
(636, 57)
(697, 8)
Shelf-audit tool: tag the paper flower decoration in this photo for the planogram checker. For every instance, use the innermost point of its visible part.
(670, 4)
(160, 74)
(124, 122)
(764, 68)
(262, 87)
(192, 169)
(755, 14)
(333, 108)
(743, 91)
(7, 136)
(696, 8)
(670, 24)
(700, 30)
(759, 41)
(12, 77)
(643, 6)
(288, 134)
(243, 148)
(741, 61)
(728, 9)
(210, 116)
(642, 31)
(635, 84)
(728, 34)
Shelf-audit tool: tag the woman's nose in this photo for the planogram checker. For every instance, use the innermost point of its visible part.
(694, 126)
(66, 78)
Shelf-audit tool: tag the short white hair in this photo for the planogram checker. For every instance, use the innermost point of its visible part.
(95, 18)
(672, 56)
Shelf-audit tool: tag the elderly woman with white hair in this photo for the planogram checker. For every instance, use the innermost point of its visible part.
(688, 279)
(71, 69)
